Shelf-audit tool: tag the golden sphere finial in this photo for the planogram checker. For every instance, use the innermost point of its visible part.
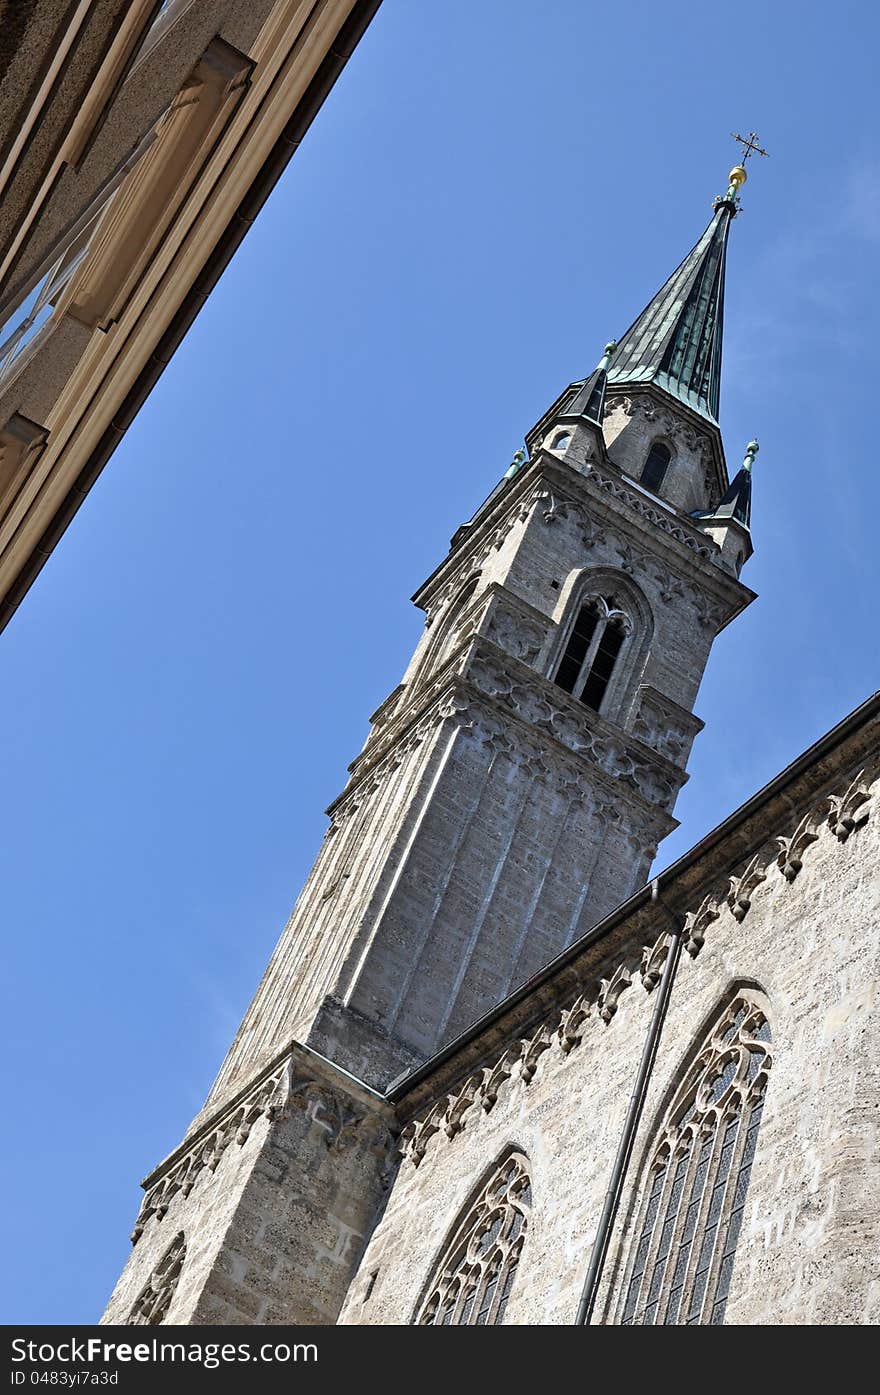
(738, 176)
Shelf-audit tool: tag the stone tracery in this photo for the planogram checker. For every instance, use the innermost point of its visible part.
(694, 1195)
(474, 1278)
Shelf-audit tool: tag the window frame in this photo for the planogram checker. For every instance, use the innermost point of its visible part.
(694, 1133)
(629, 665)
(460, 1270)
(658, 443)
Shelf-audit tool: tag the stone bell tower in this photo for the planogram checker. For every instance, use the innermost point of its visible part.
(514, 786)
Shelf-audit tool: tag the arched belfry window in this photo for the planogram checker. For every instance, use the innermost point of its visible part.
(155, 1297)
(473, 1280)
(591, 654)
(655, 467)
(691, 1209)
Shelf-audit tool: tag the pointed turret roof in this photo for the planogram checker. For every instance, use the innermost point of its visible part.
(589, 400)
(737, 502)
(676, 341)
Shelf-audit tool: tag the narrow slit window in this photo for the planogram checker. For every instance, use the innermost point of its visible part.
(655, 468)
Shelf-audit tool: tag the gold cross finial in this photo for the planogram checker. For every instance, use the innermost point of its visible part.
(738, 175)
(750, 144)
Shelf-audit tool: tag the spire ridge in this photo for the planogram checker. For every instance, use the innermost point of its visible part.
(676, 341)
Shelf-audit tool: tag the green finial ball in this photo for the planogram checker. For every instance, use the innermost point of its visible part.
(611, 346)
(751, 452)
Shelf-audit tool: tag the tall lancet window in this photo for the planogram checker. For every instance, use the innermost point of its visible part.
(691, 1210)
(155, 1297)
(593, 648)
(474, 1278)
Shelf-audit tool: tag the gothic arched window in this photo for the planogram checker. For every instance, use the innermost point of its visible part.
(691, 1210)
(591, 654)
(155, 1297)
(474, 1277)
(563, 441)
(655, 466)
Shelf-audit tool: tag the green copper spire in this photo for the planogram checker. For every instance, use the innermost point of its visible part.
(676, 341)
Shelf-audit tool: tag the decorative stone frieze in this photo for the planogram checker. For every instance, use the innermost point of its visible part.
(543, 705)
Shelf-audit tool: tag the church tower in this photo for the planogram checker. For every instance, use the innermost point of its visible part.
(515, 784)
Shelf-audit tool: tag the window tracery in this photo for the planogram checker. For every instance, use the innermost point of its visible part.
(474, 1279)
(691, 1211)
(593, 649)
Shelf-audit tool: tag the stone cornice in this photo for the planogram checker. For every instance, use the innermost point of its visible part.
(482, 673)
(598, 493)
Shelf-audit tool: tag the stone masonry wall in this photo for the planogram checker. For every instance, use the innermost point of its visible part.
(274, 1202)
(798, 922)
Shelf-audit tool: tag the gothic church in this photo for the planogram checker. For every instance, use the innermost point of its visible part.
(491, 1075)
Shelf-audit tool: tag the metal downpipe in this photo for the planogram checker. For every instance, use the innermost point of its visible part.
(633, 1115)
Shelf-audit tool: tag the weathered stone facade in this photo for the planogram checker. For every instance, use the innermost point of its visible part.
(787, 906)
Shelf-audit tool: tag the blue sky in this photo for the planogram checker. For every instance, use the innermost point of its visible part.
(494, 189)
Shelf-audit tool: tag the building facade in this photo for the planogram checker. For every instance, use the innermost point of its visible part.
(138, 142)
(490, 1075)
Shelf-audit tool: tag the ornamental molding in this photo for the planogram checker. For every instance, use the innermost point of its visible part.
(545, 707)
(288, 1087)
(479, 691)
(545, 490)
(664, 724)
(593, 1001)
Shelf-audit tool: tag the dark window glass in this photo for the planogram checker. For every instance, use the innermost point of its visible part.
(576, 650)
(603, 666)
(655, 467)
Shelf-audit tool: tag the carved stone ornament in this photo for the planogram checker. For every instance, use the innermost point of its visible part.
(289, 1087)
(741, 888)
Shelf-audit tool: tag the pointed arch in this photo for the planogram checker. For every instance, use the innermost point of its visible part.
(695, 1182)
(605, 630)
(447, 628)
(154, 1299)
(472, 1280)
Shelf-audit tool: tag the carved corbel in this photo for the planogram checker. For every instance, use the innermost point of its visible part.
(458, 1105)
(570, 1029)
(533, 1048)
(791, 849)
(739, 897)
(850, 809)
(494, 1077)
(697, 922)
(610, 990)
(653, 959)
